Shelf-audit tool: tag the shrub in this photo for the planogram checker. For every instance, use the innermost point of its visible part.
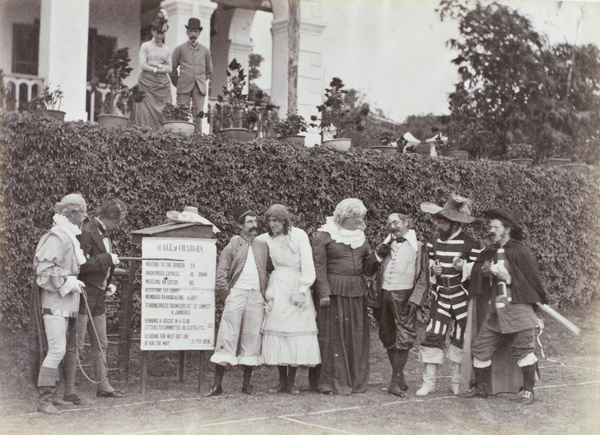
(155, 171)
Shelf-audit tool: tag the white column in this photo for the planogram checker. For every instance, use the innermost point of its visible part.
(311, 82)
(63, 52)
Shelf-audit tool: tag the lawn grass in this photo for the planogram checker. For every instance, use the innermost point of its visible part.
(567, 398)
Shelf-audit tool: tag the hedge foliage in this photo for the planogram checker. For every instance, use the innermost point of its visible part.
(155, 171)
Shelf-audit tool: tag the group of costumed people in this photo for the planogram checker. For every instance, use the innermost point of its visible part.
(188, 67)
(274, 320)
(292, 301)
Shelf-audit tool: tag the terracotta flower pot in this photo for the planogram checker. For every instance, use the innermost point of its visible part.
(524, 161)
(56, 114)
(185, 127)
(457, 154)
(112, 121)
(340, 144)
(297, 139)
(386, 149)
(237, 134)
(557, 161)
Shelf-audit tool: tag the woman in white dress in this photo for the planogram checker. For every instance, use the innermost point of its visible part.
(290, 327)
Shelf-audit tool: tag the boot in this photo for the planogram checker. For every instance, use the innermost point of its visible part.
(398, 384)
(455, 382)
(313, 377)
(291, 379)
(47, 390)
(57, 401)
(528, 384)
(482, 377)
(246, 387)
(428, 380)
(217, 388)
(282, 386)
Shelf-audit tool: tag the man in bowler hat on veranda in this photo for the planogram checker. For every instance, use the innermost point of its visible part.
(192, 68)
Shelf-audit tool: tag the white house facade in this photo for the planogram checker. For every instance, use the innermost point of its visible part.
(63, 43)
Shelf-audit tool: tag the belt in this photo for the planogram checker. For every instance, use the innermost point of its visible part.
(61, 313)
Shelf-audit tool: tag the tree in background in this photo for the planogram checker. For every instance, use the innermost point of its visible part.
(515, 87)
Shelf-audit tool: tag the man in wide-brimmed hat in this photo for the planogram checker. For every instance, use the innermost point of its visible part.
(195, 68)
(506, 273)
(241, 281)
(451, 255)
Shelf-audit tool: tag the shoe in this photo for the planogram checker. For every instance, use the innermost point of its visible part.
(475, 392)
(60, 402)
(214, 391)
(294, 391)
(115, 394)
(73, 398)
(396, 391)
(249, 389)
(49, 408)
(280, 388)
(526, 398)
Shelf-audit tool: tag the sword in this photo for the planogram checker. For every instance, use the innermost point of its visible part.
(559, 318)
(148, 259)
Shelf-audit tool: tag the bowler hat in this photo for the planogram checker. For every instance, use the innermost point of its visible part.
(193, 23)
(456, 209)
(241, 212)
(504, 214)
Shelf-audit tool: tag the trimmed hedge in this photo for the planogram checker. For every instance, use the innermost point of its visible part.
(155, 171)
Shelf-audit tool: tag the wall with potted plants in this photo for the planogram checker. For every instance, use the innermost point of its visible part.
(177, 118)
(118, 103)
(289, 129)
(338, 117)
(232, 114)
(49, 102)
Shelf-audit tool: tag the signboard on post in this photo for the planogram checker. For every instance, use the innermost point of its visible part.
(178, 297)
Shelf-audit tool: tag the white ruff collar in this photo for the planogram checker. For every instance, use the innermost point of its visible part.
(354, 238)
(62, 223)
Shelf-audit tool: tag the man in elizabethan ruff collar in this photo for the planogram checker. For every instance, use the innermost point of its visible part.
(56, 263)
(451, 255)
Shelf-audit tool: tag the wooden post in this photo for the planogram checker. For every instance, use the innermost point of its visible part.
(181, 365)
(201, 370)
(125, 320)
(144, 371)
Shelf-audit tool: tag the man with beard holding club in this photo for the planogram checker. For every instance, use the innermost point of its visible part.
(241, 279)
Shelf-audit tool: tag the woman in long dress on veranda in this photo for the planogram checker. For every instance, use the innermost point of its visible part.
(155, 65)
(290, 328)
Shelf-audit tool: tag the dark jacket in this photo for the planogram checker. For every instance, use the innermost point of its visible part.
(98, 264)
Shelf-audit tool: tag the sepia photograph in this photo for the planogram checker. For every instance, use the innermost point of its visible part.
(299, 216)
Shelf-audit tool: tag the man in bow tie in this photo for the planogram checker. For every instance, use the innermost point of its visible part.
(402, 287)
(96, 273)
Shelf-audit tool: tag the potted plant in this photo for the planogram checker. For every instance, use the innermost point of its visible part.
(289, 129)
(338, 117)
(177, 118)
(49, 102)
(118, 102)
(388, 141)
(520, 153)
(232, 113)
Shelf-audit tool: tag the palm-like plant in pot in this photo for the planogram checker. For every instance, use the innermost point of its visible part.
(177, 118)
(232, 113)
(338, 117)
(49, 102)
(289, 129)
(120, 99)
